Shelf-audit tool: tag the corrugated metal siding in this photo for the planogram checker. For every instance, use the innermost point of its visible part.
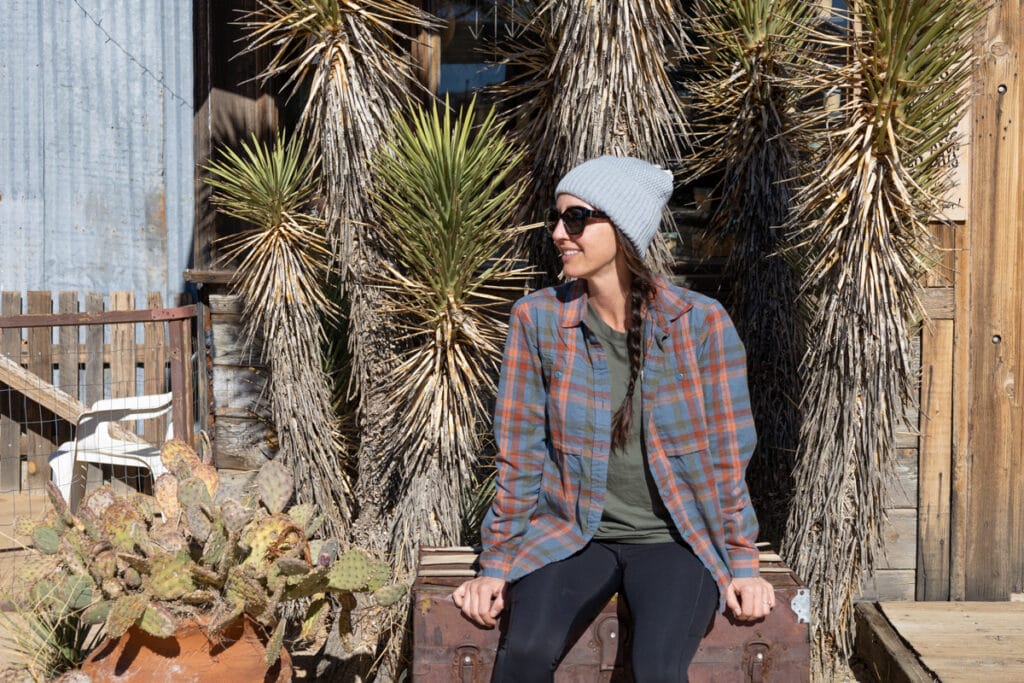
(96, 162)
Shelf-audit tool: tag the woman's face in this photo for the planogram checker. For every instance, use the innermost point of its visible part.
(593, 253)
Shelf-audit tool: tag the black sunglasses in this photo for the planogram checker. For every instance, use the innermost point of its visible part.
(574, 218)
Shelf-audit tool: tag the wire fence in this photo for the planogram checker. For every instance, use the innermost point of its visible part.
(90, 386)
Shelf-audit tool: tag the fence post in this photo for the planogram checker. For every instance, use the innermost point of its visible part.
(181, 378)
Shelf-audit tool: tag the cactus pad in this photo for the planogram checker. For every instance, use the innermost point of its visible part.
(275, 485)
(178, 457)
(125, 613)
(158, 621)
(46, 539)
(165, 490)
(170, 577)
(386, 596)
(275, 644)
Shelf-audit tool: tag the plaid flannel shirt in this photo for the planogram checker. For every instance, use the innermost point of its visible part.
(552, 425)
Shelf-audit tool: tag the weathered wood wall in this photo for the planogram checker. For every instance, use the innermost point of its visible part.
(987, 502)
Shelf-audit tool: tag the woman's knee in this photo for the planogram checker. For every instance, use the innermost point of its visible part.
(527, 658)
(663, 665)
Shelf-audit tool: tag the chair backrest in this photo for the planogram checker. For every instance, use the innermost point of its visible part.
(94, 422)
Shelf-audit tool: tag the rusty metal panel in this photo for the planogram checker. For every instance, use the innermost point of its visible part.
(448, 647)
(96, 177)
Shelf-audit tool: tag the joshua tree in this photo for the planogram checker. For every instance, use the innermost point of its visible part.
(755, 65)
(592, 78)
(862, 231)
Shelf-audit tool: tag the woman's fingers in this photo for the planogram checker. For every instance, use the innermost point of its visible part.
(750, 598)
(481, 599)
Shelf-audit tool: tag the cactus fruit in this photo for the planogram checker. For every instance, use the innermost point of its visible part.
(158, 621)
(389, 595)
(46, 539)
(125, 613)
(275, 485)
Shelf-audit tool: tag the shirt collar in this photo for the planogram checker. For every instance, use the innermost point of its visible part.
(667, 306)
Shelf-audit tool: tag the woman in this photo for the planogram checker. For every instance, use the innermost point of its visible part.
(624, 429)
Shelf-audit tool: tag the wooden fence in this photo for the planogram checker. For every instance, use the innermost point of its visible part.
(60, 354)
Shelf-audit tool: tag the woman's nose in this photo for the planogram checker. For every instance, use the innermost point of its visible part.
(559, 232)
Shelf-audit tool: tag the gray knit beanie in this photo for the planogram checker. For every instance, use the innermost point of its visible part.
(631, 191)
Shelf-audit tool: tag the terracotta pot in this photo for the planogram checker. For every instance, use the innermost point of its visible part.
(236, 654)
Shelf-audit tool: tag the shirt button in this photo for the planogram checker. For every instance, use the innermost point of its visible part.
(679, 375)
(558, 373)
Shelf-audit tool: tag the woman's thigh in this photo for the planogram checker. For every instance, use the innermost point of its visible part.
(549, 608)
(672, 598)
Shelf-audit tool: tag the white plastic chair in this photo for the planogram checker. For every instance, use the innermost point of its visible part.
(94, 443)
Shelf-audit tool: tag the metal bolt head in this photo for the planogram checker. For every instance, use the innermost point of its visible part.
(1001, 89)
(760, 656)
(467, 659)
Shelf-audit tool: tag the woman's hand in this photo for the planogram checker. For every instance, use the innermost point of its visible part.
(750, 598)
(481, 599)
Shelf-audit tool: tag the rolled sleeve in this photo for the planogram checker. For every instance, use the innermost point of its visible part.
(731, 437)
(520, 435)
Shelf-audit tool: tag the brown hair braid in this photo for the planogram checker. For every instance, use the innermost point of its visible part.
(641, 290)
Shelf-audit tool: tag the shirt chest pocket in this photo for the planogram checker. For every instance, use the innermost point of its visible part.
(570, 406)
(678, 414)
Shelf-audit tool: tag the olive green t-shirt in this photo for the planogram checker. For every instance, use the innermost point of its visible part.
(633, 511)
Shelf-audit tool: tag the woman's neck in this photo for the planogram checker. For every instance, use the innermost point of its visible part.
(610, 302)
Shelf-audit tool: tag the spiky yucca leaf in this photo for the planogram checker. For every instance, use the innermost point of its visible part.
(283, 261)
(754, 66)
(448, 189)
(592, 80)
(862, 225)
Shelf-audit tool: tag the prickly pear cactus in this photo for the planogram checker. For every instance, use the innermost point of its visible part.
(276, 486)
(389, 595)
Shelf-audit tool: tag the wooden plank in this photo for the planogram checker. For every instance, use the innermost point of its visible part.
(935, 460)
(154, 377)
(943, 274)
(204, 389)
(180, 355)
(231, 346)
(122, 347)
(239, 387)
(10, 412)
(94, 361)
(939, 302)
(900, 539)
(961, 641)
(67, 358)
(102, 318)
(50, 397)
(888, 584)
(226, 304)
(994, 563)
(241, 444)
(879, 647)
(901, 490)
(38, 418)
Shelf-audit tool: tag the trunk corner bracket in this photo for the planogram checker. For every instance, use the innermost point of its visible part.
(801, 605)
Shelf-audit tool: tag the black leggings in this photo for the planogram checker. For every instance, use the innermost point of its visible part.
(671, 598)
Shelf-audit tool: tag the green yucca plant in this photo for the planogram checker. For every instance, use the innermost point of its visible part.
(592, 80)
(755, 64)
(448, 189)
(282, 267)
(862, 230)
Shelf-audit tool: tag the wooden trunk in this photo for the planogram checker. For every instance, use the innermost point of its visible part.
(448, 647)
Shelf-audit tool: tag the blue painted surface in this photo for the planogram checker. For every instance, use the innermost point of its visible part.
(96, 161)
